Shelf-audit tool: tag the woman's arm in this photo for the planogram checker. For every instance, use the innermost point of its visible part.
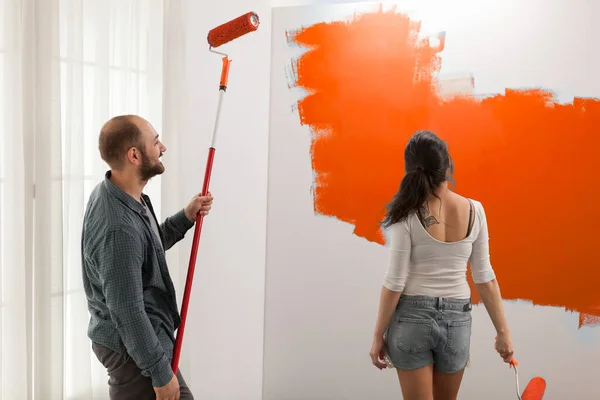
(393, 285)
(492, 300)
(484, 276)
(488, 288)
(387, 304)
(395, 277)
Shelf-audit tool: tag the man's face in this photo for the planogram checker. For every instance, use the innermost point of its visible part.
(151, 151)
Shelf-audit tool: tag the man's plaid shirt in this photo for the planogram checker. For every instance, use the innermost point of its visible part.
(130, 293)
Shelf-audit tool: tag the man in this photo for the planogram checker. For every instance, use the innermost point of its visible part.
(130, 294)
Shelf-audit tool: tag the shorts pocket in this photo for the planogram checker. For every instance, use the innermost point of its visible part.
(414, 335)
(459, 336)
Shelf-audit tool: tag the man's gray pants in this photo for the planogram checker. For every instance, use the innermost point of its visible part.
(126, 381)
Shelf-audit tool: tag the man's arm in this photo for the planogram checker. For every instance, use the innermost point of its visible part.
(119, 262)
(174, 228)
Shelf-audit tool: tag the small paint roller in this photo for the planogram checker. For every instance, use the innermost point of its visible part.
(233, 29)
(534, 390)
(218, 36)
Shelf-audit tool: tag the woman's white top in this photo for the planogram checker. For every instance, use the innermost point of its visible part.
(420, 265)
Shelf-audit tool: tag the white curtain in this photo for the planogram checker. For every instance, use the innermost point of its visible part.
(66, 67)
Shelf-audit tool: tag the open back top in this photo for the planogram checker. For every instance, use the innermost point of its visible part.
(420, 265)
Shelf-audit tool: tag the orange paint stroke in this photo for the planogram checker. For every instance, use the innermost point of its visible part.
(531, 161)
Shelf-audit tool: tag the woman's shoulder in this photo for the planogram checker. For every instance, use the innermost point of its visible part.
(476, 203)
(478, 208)
(403, 225)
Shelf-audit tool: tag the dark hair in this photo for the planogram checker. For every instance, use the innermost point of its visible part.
(426, 164)
(116, 137)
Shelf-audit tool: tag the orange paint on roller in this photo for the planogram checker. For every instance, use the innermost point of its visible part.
(535, 389)
(233, 29)
(530, 160)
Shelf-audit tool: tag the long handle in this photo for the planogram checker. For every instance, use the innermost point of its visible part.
(192, 265)
(198, 229)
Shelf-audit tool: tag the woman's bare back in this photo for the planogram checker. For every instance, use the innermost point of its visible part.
(448, 218)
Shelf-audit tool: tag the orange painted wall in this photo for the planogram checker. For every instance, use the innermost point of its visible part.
(531, 161)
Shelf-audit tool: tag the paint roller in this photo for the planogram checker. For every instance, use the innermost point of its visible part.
(217, 37)
(534, 390)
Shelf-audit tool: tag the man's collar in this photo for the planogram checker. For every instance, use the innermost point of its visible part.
(120, 194)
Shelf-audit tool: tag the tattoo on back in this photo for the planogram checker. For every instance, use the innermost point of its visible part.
(427, 219)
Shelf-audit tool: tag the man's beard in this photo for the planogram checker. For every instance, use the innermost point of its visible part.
(149, 170)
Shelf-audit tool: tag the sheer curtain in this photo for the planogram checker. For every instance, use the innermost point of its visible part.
(66, 66)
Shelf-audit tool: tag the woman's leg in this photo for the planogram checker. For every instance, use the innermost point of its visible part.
(417, 384)
(446, 386)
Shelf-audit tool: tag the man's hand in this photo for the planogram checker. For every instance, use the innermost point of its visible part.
(168, 392)
(198, 205)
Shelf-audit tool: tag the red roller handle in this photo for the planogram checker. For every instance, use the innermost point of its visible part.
(221, 35)
(192, 265)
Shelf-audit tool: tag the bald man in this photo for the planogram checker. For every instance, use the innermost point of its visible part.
(130, 295)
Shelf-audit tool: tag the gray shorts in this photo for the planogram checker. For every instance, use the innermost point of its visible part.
(430, 330)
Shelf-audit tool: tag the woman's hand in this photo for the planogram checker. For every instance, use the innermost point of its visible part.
(378, 353)
(504, 347)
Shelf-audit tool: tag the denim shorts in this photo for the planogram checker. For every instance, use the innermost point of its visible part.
(430, 330)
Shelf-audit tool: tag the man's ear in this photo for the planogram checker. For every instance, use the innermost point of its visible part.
(133, 155)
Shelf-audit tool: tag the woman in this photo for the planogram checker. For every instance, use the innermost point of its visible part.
(424, 319)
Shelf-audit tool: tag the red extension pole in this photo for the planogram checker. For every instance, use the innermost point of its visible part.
(198, 230)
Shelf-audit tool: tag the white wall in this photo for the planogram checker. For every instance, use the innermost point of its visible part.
(323, 283)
